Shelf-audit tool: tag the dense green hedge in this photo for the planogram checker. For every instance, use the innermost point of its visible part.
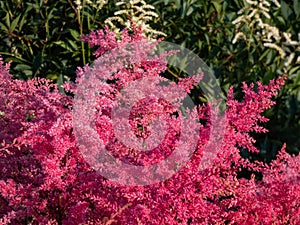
(41, 38)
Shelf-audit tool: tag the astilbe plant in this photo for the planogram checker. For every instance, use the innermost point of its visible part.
(44, 179)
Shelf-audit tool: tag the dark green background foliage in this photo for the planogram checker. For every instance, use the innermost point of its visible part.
(41, 38)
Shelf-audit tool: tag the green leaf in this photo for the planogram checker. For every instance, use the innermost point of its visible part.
(178, 4)
(23, 19)
(73, 45)
(217, 6)
(52, 76)
(183, 10)
(74, 33)
(294, 69)
(270, 56)
(190, 10)
(62, 44)
(14, 24)
(7, 20)
(286, 11)
(297, 7)
(22, 67)
(3, 27)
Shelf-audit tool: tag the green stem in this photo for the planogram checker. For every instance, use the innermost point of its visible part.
(89, 28)
(172, 73)
(81, 33)
(17, 57)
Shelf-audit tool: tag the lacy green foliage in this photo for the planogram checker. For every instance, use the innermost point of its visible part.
(44, 179)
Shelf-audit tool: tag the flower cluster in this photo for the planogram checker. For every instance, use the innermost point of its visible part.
(137, 12)
(44, 179)
(97, 5)
(254, 17)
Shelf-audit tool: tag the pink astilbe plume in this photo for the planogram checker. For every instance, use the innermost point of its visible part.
(44, 178)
